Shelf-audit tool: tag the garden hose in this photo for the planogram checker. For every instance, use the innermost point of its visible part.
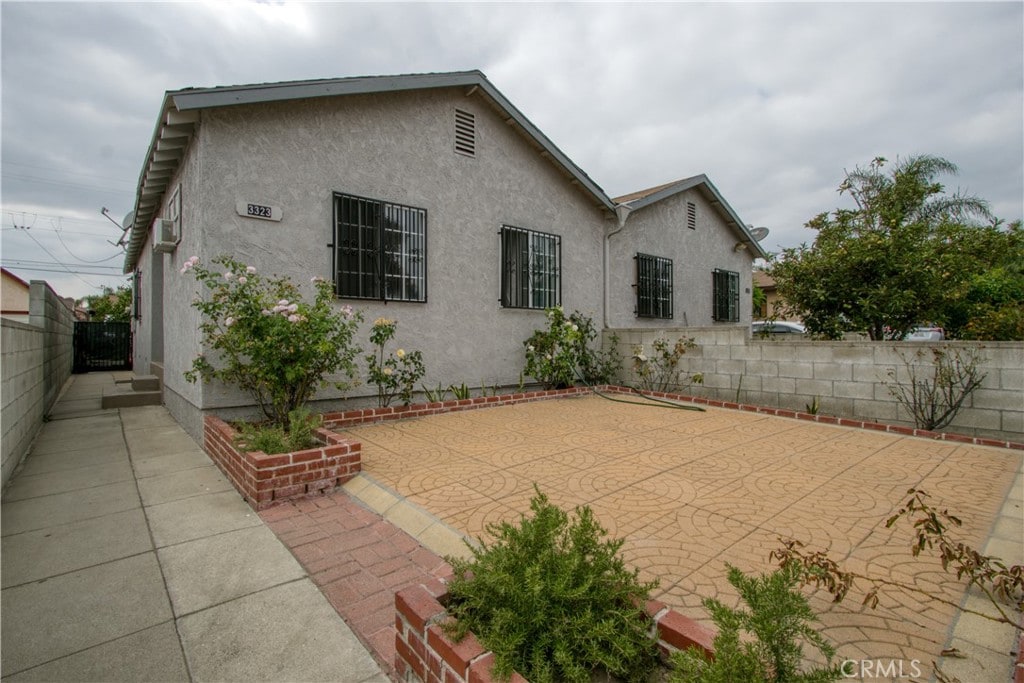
(658, 402)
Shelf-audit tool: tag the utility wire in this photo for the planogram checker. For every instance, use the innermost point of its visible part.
(58, 262)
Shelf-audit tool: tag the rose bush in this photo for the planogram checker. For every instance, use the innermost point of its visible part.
(264, 339)
(395, 374)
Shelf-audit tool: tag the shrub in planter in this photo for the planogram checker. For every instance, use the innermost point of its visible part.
(553, 600)
(557, 356)
(763, 642)
(266, 339)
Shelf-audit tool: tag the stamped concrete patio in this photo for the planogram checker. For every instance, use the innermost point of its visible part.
(691, 491)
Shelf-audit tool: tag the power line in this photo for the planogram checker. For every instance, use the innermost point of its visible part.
(33, 237)
(60, 170)
(75, 186)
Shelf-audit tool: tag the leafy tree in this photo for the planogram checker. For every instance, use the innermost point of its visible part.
(112, 306)
(877, 267)
(983, 274)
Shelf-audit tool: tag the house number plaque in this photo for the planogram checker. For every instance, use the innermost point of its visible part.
(264, 212)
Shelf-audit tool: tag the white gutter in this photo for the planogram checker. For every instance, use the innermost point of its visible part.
(622, 212)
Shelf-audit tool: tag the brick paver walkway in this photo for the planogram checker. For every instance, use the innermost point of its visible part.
(358, 560)
(689, 492)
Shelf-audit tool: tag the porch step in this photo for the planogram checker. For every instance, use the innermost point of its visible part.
(145, 383)
(132, 399)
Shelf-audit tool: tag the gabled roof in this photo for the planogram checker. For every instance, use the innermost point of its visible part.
(652, 195)
(180, 113)
(17, 280)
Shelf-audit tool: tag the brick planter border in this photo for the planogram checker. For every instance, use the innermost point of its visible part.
(424, 653)
(264, 480)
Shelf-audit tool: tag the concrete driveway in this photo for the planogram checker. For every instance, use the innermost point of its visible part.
(691, 491)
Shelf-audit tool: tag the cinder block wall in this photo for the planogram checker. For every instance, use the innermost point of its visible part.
(846, 378)
(21, 352)
(52, 314)
(36, 363)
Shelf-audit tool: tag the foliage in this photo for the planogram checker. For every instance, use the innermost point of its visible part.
(759, 299)
(395, 374)
(112, 306)
(660, 371)
(557, 356)
(461, 392)
(779, 619)
(880, 267)
(266, 340)
(437, 395)
(1000, 583)
(934, 400)
(273, 438)
(983, 282)
(553, 600)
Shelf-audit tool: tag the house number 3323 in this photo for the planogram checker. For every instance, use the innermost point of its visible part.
(258, 211)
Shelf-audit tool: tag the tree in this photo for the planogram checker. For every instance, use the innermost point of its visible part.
(877, 267)
(111, 306)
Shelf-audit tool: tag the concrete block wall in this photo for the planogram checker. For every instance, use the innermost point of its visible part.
(846, 378)
(55, 317)
(23, 393)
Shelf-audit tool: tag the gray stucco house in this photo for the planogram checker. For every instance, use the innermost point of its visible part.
(427, 198)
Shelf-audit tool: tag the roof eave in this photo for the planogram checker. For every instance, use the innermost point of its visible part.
(185, 105)
(715, 198)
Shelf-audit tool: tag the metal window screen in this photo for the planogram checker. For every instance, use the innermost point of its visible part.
(653, 286)
(726, 294)
(381, 250)
(530, 268)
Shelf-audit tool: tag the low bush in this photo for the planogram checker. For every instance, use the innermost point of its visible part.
(763, 642)
(553, 600)
(273, 438)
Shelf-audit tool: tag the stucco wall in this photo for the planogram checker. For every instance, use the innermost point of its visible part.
(848, 378)
(399, 148)
(661, 230)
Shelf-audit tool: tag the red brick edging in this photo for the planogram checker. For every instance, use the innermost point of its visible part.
(423, 650)
(264, 480)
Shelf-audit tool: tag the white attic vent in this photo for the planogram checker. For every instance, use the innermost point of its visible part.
(465, 133)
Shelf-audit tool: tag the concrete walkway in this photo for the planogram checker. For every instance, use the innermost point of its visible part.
(126, 556)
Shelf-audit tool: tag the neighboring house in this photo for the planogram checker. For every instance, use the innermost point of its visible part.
(14, 294)
(773, 305)
(426, 198)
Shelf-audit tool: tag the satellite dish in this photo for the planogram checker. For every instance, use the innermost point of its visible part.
(129, 219)
(759, 233)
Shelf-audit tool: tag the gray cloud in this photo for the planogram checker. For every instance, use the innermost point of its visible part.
(771, 100)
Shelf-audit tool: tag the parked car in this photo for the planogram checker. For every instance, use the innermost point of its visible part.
(926, 334)
(761, 328)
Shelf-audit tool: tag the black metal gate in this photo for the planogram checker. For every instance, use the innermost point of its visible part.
(103, 346)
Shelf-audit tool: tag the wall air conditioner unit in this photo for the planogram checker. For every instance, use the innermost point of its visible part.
(167, 241)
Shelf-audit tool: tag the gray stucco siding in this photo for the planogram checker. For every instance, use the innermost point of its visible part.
(661, 230)
(394, 147)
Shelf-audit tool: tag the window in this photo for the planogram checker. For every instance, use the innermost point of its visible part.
(137, 294)
(653, 286)
(531, 264)
(726, 296)
(691, 215)
(380, 250)
(465, 133)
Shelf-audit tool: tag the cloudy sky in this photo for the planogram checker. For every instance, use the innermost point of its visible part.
(771, 100)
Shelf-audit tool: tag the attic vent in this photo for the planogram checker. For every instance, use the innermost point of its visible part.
(465, 133)
(691, 215)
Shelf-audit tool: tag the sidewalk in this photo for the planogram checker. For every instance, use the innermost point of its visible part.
(127, 556)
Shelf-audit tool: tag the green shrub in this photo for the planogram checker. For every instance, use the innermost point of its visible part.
(559, 355)
(272, 438)
(779, 619)
(553, 600)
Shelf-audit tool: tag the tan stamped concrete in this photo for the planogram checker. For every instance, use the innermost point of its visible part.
(690, 491)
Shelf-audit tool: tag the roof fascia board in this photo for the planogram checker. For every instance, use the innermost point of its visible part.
(226, 96)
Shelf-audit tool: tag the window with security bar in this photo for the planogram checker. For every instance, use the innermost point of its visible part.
(380, 250)
(653, 286)
(726, 296)
(531, 264)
